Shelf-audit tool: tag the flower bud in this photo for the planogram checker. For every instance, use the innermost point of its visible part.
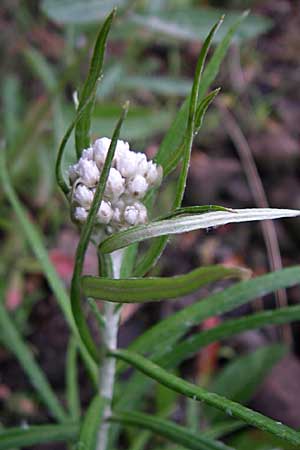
(80, 214)
(137, 186)
(83, 196)
(154, 174)
(142, 164)
(126, 163)
(142, 210)
(100, 148)
(88, 172)
(115, 185)
(131, 215)
(88, 153)
(104, 213)
(73, 173)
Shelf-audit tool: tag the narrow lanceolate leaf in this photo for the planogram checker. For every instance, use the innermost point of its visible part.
(190, 223)
(82, 129)
(14, 342)
(138, 290)
(19, 437)
(169, 430)
(191, 345)
(84, 241)
(35, 241)
(91, 424)
(189, 133)
(187, 389)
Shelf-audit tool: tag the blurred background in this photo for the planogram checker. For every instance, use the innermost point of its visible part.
(246, 155)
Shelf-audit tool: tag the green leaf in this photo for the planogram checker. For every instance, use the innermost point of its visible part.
(41, 68)
(82, 130)
(91, 424)
(137, 290)
(190, 129)
(35, 240)
(168, 430)
(191, 345)
(37, 434)
(197, 393)
(189, 223)
(248, 372)
(79, 11)
(14, 342)
(84, 241)
(72, 380)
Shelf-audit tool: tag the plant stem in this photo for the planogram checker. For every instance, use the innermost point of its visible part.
(108, 369)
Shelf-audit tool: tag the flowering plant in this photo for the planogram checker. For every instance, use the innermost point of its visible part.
(111, 190)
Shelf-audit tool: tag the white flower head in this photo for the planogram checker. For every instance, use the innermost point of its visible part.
(130, 177)
(83, 196)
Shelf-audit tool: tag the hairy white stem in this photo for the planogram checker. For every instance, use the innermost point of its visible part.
(108, 368)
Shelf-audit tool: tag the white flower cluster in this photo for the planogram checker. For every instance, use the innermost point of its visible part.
(130, 177)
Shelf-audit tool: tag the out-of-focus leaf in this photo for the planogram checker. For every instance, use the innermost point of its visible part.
(11, 98)
(91, 424)
(141, 122)
(37, 434)
(14, 342)
(136, 290)
(169, 430)
(193, 24)
(72, 388)
(247, 371)
(79, 11)
(35, 241)
(41, 68)
(158, 85)
(189, 223)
